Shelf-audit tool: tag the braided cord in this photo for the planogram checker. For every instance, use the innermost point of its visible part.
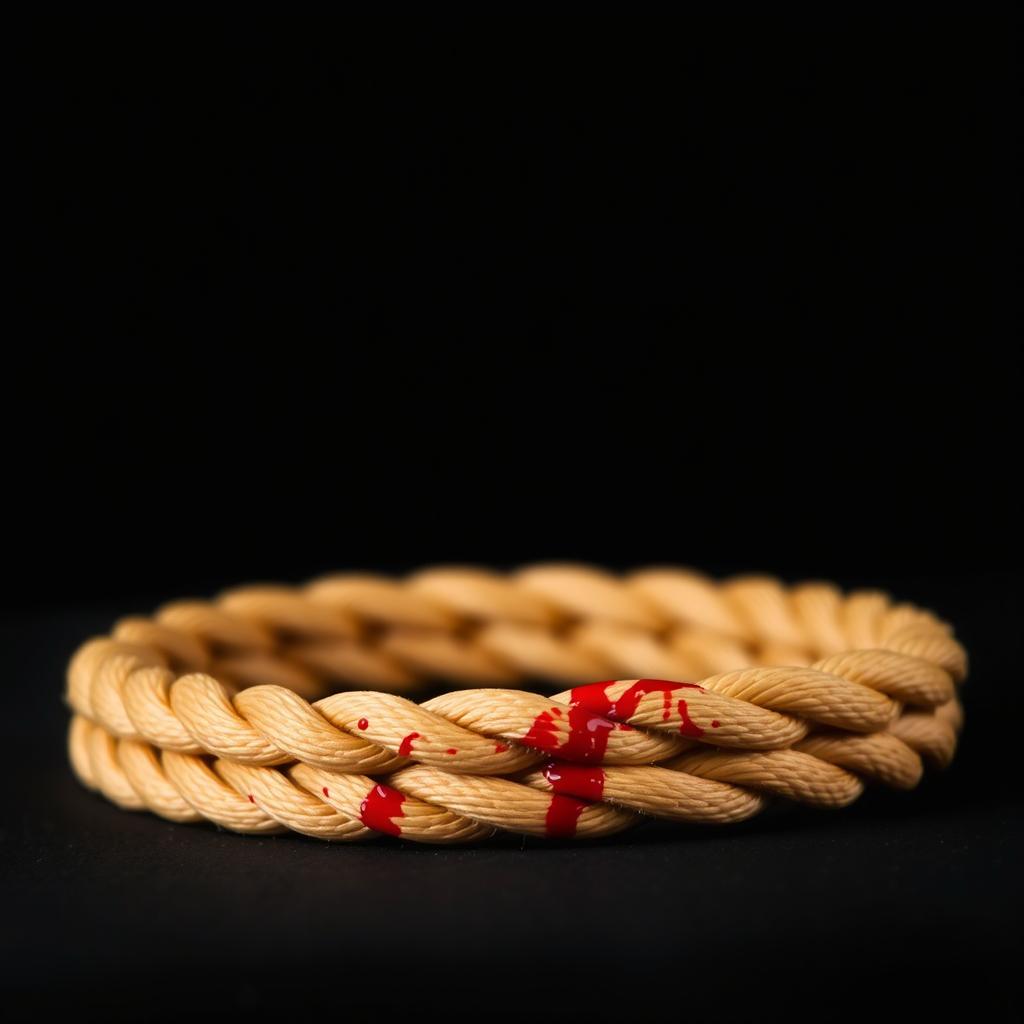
(710, 699)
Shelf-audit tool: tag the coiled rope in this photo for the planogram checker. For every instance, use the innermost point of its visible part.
(721, 697)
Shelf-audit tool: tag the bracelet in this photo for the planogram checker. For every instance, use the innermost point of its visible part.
(222, 711)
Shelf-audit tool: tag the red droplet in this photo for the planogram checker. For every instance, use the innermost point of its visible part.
(715, 723)
(325, 792)
(500, 748)
(563, 815)
(380, 807)
(405, 747)
(587, 739)
(451, 750)
(252, 799)
(575, 780)
(363, 723)
(594, 697)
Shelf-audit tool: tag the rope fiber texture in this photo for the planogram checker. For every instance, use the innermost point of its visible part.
(678, 698)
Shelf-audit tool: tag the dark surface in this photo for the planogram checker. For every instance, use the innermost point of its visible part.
(901, 903)
(298, 295)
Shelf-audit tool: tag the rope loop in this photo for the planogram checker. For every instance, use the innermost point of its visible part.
(656, 693)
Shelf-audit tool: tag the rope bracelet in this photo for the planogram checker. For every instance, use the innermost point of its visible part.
(223, 710)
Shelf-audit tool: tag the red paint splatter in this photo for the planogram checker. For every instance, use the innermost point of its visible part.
(405, 748)
(588, 736)
(575, 780)
(325, 792)
(362, 723)
(500, 748)
(380, 807)
(594, 698)
(543, 734)
(563, 815)
(587, 739)
(451, 750)
(715, 723)
(252, 799)
(687, 726)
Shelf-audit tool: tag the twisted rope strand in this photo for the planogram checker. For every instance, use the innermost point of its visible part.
(711, 700)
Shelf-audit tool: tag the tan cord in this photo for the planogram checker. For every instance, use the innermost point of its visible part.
(678, 698)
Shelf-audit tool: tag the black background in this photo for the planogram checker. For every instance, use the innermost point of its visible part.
(299, 294)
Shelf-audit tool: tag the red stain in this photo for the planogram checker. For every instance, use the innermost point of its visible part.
(500, 748)
(687, 726)
(252, 799)
(575, 780)
(451, 750)
(405, 748)
(594, 698)
(543, 734)
(380, 807)
(325, 792)
(715, 723)
(562, 817)
(362, 723)
(587, 739)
